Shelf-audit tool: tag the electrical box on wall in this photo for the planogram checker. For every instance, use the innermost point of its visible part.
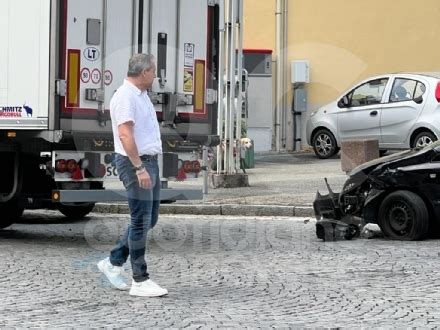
(300, 72)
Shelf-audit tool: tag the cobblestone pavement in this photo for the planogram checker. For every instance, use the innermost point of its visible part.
(220, 272)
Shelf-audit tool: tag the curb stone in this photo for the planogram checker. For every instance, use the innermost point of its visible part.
(215, 209)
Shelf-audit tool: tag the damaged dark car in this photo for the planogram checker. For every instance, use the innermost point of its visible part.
(400, 193)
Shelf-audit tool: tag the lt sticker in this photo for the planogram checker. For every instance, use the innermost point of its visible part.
(92, 53)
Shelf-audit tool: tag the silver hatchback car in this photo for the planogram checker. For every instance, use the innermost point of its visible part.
(400, 110)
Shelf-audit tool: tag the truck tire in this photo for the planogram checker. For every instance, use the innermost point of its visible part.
(403, 215)
(9, 213)
(76, 211)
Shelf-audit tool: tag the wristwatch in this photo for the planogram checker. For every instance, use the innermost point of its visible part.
(139, 168)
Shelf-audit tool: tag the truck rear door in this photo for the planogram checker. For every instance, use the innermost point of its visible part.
(97, 42)
(181, 38)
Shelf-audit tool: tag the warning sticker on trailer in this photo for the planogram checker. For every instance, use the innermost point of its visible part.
(108, 77)
(85, 75)
(91, 53)
(96, 76)
(188, 80)
(189, 55)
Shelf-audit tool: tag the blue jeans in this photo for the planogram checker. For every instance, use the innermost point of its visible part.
(144, 212)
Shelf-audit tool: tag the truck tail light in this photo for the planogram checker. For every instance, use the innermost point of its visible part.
(71, 165)
(60, 166)
(191, 166)
(196, 166)
(437, 92)
(101, 170)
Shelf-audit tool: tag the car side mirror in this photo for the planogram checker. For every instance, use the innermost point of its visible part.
(343, 103)
(419, 99)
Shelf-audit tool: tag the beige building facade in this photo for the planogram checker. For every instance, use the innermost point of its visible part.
(344, 41)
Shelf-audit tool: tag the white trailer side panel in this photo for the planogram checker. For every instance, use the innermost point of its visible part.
(186, 48)
(86, 58)
(119, 45)
(24, 63)
(114, 45)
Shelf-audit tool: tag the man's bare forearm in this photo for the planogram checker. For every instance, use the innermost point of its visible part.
(129, 144)
(130, 148)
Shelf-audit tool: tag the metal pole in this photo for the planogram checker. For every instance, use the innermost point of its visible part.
(221, 84)
(150, 25)
(231, 85)
(205, 169)
(101, 105)
(176, 77)
(238, 21)
(134, 24)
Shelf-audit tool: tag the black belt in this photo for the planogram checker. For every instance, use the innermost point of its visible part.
(148, 158)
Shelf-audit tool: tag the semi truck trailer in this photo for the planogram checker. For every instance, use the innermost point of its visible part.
(60, 63)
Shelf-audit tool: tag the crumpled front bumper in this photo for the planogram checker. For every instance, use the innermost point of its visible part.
(331, 224)
(327, 206)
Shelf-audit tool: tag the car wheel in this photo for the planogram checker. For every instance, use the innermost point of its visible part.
(403, 215)
(324, 144)
(423, 139)
(9, 214)
(76, 211)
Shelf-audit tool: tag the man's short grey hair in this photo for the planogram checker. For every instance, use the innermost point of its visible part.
(138, 63)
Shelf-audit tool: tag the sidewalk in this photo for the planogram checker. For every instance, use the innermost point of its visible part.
(280, 185)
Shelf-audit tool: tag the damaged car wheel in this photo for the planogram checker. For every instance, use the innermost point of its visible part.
(403, 215)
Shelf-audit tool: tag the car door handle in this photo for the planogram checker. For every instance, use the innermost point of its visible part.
(373, 113)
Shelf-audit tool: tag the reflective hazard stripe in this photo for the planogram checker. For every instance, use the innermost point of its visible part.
(73, 77)
(199, 86)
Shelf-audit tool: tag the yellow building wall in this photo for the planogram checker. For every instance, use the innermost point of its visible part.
(259, 24)
(348, 40)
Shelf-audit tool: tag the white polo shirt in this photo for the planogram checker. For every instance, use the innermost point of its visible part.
(130, 104)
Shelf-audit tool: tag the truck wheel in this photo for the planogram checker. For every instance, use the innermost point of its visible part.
(9, 213)
(403, 215)
(324, 144)
(76, 211)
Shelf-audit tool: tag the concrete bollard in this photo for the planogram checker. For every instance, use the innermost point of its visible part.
(357, 152)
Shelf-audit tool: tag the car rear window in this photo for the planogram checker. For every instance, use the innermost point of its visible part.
(406, 89)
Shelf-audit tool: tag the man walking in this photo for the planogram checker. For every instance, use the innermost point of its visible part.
(137, 146)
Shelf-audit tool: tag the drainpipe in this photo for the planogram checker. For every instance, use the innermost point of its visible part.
(288, 138)
(279, 77)
(238, 20)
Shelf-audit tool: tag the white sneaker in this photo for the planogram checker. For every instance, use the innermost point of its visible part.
(113, 274)
(147, 289)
